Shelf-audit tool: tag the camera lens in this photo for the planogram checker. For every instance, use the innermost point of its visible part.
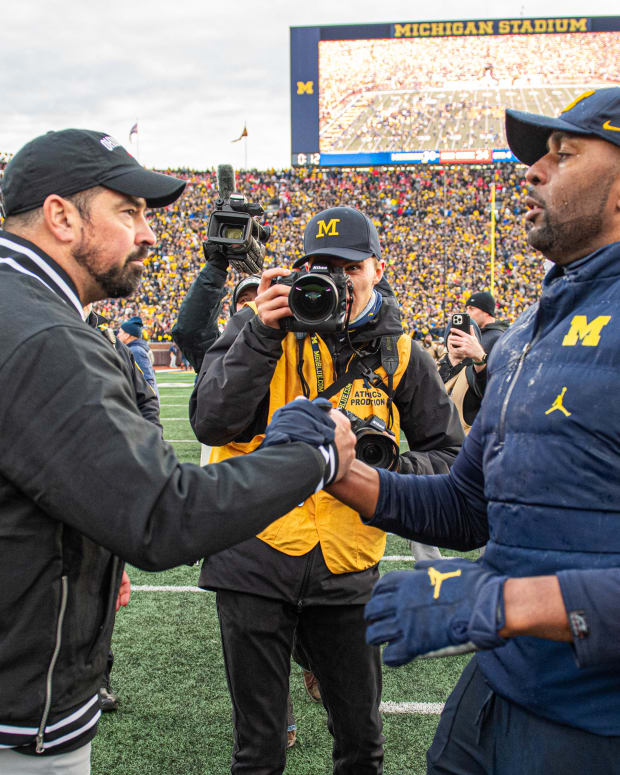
(231, 232)
(313, 299)
(375, 449)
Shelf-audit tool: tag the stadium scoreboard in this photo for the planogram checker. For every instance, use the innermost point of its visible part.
(434, 92)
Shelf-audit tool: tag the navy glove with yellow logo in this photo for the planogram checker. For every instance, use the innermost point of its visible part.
(441, 608)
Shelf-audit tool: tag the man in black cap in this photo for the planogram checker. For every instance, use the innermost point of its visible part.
(539, 478)
(310, 575)
(474, 349)
(85, 481)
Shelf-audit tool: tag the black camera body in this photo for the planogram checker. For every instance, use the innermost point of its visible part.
(318, 299)
(376, 445)
(235, 232)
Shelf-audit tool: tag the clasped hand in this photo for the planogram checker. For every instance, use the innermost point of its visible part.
(318, 424)
(440, 605)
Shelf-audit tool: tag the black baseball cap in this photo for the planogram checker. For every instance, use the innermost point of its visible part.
(595, 112)
(340, 232)
(482, 300)
(73, 160)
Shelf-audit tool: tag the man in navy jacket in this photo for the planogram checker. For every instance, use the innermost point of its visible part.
(538, 478)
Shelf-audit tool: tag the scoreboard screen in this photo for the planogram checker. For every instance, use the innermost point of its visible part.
(435, 92)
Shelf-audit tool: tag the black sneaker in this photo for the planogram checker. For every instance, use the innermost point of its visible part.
(108, 701)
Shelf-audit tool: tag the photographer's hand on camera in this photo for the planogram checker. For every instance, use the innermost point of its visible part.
(272, 300)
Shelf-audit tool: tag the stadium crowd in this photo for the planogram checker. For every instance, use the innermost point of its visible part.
(434, 224)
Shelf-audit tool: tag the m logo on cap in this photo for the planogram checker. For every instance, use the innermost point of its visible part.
(328, 229)
(109, 142)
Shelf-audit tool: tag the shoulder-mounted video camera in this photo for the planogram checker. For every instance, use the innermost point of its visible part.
(376, 445)
(233, 229)
(318, 299)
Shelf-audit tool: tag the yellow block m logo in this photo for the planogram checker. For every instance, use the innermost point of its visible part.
(328, 229)
(305, 87)
(589, 334)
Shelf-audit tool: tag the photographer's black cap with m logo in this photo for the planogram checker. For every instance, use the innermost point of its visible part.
(73, 160)
(340, 232)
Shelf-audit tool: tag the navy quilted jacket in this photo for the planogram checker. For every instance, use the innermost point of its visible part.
(540, 471)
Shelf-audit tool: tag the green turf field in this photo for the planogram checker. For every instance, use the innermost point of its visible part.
(175, 714)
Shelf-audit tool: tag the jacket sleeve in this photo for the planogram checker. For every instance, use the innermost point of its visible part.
(144, 364)
(75, 448)
(146, 398)
(447, 510)
(591, 600)
(428, 417)
(196, 327)
(230, 401)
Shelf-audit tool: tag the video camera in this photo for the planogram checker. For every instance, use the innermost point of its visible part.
(233, 229)
(318, 299)
(376, 445)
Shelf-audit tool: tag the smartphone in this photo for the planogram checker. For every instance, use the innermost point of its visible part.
(462, 321)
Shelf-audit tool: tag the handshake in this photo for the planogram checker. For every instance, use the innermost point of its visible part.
(320, 425)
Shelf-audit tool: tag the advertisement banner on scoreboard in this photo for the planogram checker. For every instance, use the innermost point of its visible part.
(436, 92)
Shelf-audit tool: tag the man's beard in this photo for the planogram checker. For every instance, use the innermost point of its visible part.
(117, 282)
(572, 231)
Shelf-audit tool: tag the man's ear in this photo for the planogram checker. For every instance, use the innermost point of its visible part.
(61, 218)
(379, 269)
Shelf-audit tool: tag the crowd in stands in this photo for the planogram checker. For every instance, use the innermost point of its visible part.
(356, 75)
(434, 225)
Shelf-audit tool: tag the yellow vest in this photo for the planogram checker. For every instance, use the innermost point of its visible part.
(347, 544)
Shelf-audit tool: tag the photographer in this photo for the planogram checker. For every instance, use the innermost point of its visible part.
(314, 571)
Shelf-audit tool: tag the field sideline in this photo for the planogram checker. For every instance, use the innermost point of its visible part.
(175, 713)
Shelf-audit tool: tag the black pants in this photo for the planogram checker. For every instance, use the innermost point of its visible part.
(257, 639)
(480, 733)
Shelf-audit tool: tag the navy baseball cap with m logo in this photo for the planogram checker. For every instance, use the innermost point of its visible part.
(340, 232)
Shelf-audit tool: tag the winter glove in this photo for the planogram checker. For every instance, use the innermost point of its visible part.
(214, 255)
(309, 421)
(440, 608)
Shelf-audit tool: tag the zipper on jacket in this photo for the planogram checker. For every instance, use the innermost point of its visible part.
(502, 416)
(304, 578)
(50, 670)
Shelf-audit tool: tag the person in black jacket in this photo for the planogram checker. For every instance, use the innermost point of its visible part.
(308, 576)
(85, 481)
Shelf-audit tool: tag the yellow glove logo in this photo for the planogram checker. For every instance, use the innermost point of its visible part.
(437, 578)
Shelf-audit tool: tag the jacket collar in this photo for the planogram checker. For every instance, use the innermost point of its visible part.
(24, 256)
(604, 262)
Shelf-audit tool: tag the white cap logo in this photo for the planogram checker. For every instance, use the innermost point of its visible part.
(109, 142)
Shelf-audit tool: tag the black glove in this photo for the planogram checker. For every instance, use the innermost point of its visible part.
(309, 421)
(213, 254)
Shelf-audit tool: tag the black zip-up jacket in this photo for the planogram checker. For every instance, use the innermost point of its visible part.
(230, 402)
(86, 482)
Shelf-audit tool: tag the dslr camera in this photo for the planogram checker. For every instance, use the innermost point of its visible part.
(376, 445)
(233, 229)
(318, 299)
